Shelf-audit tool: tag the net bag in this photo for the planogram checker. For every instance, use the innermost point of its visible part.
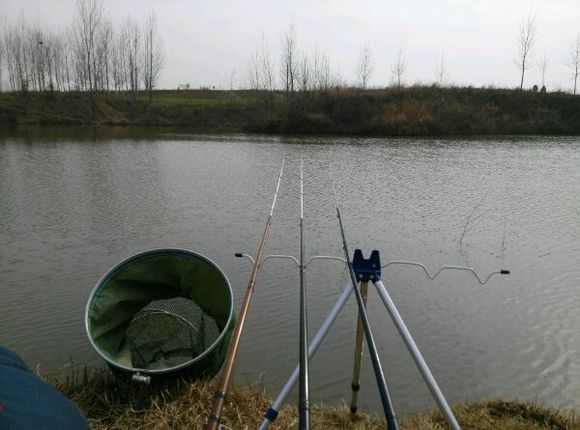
(161, 312)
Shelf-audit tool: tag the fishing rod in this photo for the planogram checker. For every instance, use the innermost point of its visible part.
(304, 389)
(220, 396)
(386, 401)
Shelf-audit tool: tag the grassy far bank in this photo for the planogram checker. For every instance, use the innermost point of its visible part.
(186, 406)
(412, 111)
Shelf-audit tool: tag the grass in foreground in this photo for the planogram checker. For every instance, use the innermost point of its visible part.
(112, 406)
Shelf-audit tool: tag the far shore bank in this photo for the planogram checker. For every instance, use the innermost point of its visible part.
(414, 111)
(110, 405)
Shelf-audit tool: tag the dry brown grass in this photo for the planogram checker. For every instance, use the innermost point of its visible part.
(111, 405)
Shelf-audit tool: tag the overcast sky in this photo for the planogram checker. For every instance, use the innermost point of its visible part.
(207, 42)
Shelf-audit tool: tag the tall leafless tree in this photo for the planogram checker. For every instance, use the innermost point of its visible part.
(90, 15)
(526, 41)
(152, 54)
(119, 60)
(2, 61)
(254, 72)
(261, 71)
(305, 74)
(267, 67)
(321, 71)
(365, 67)
(398, 69)
(103, 53)
(575, 62)
(289, 65)
(133, 54)
(17, 56)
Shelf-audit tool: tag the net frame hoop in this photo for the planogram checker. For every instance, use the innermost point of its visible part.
(113, 270)
(154, 311)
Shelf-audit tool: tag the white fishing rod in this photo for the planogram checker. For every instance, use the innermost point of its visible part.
(304, 388)
(220, 396)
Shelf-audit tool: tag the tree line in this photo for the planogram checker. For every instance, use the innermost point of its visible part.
(526, 43)
(91, 54)
(299, 71)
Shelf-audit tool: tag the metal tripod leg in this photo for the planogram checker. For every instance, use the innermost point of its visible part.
(417, 356)
(272, 412)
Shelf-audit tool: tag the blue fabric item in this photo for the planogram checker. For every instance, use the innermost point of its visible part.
(27, 402)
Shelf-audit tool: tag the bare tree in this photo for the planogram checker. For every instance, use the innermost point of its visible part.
(119, 63)
(526, 42)
(90, 15)
(575, 61)
(305, 74)
(254, 72)
(289, 65)
(365, 66)
(17, 55)
(133, 38)
(152, 55)
(103, 54)
(544, 69)
(261, 72)
(67, 56)
(321, 71)
(442, 70)
(398, 69)
(268, 78)
(2, 61)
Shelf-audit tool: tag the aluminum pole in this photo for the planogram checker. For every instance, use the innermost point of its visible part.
(417, 356)
(272, 412)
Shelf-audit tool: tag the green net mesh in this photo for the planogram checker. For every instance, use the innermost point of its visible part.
(168, 333)
(161, 310)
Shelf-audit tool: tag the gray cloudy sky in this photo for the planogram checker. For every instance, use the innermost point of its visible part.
(206, 42)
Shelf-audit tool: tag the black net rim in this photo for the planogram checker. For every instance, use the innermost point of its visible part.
(143, 254)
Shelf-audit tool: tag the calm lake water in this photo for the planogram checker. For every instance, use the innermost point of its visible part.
(72, 205)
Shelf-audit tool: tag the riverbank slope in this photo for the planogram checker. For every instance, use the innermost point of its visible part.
(186, 406)
(413, 111)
